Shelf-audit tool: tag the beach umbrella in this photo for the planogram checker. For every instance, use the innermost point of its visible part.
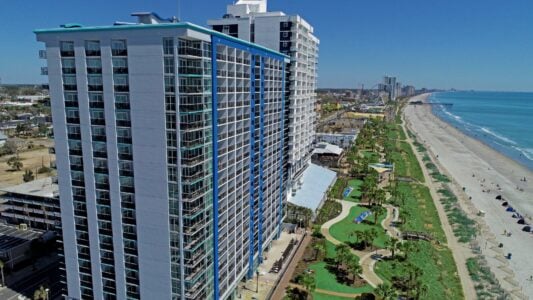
(499, 197)
(522, 221)
(505, 203)
(526, 229)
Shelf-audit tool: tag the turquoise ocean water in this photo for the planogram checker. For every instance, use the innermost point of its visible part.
(502, 120)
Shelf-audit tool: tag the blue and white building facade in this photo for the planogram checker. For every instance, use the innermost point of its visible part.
(169, 144)
(250, 20)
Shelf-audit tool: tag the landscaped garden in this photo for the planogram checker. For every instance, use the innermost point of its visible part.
(347, 230)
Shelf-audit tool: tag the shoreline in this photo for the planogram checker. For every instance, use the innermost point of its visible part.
(485, 141)
(477, 167)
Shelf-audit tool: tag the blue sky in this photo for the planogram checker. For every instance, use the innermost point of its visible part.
(464, 44)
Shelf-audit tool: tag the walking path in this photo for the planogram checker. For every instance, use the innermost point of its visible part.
(459, 252)
(367, 259)
(279, 292)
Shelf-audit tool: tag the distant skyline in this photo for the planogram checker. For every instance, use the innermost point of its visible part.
(475, 44)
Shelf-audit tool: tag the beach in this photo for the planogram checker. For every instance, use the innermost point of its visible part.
(484, 174)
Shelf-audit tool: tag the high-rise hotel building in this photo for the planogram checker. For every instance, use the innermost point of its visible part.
(169, 143)
(249, 20)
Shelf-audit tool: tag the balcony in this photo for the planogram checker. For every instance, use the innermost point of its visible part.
(92, 53)
(122, 105)
(94, 70)
(70, 87)
(42, 54)
(74, 136)
(96, 87)
(100, 154)
(125, 156)
(124, 123)
(96, 104)
(120, 70)
(119, 52)
(71, 103)
(73, 120)
(68, 70)
(122, 88)
(98, 121)
(44, 70)
(67, 53)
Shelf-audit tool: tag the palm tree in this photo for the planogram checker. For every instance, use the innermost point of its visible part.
(358, 235)
(380, 196)
(40, 294)
(320, 248)
(385, 291)
(421, 290)
(2, 271)
(403, 215)
(409, 247)
(343, 252)
(377, 210)
(308, 282)
(392, 245)
(353, 266)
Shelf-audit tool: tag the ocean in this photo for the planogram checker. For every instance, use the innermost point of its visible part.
(502, 120)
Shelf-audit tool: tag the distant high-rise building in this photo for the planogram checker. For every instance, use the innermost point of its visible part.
(409, 90)
(390, 86)
(169, 144)
(293, 36)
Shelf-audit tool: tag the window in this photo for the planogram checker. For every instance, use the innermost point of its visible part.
(97, 114)
(169, 65)
(170, 102)
(99, 147)
(67, 48)
(225, 29)
(68, 66)
(72, 113)
(285, 34)
(168, 46)
(95, 82)
(92, 48)
(123, 115)
(121, 82)
(122, 98)
(120, 65)
(98, 130)
(69, 82)
(118, 48)
(94, 66)
(124, 149)
(172, 174)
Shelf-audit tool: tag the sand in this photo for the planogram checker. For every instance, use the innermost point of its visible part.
(461, 157)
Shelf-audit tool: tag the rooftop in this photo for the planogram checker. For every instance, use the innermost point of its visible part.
(39, 188)
(326, 148)
(316, 182)
(11, 236)
(147, 20)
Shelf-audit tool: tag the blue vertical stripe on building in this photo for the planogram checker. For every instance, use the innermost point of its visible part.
(280, 214)
(214, 124)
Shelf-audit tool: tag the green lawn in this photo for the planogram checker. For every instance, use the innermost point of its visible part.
(355, 194)
(439, 272)
(373, 156)
(327, 281)
(343, 230)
